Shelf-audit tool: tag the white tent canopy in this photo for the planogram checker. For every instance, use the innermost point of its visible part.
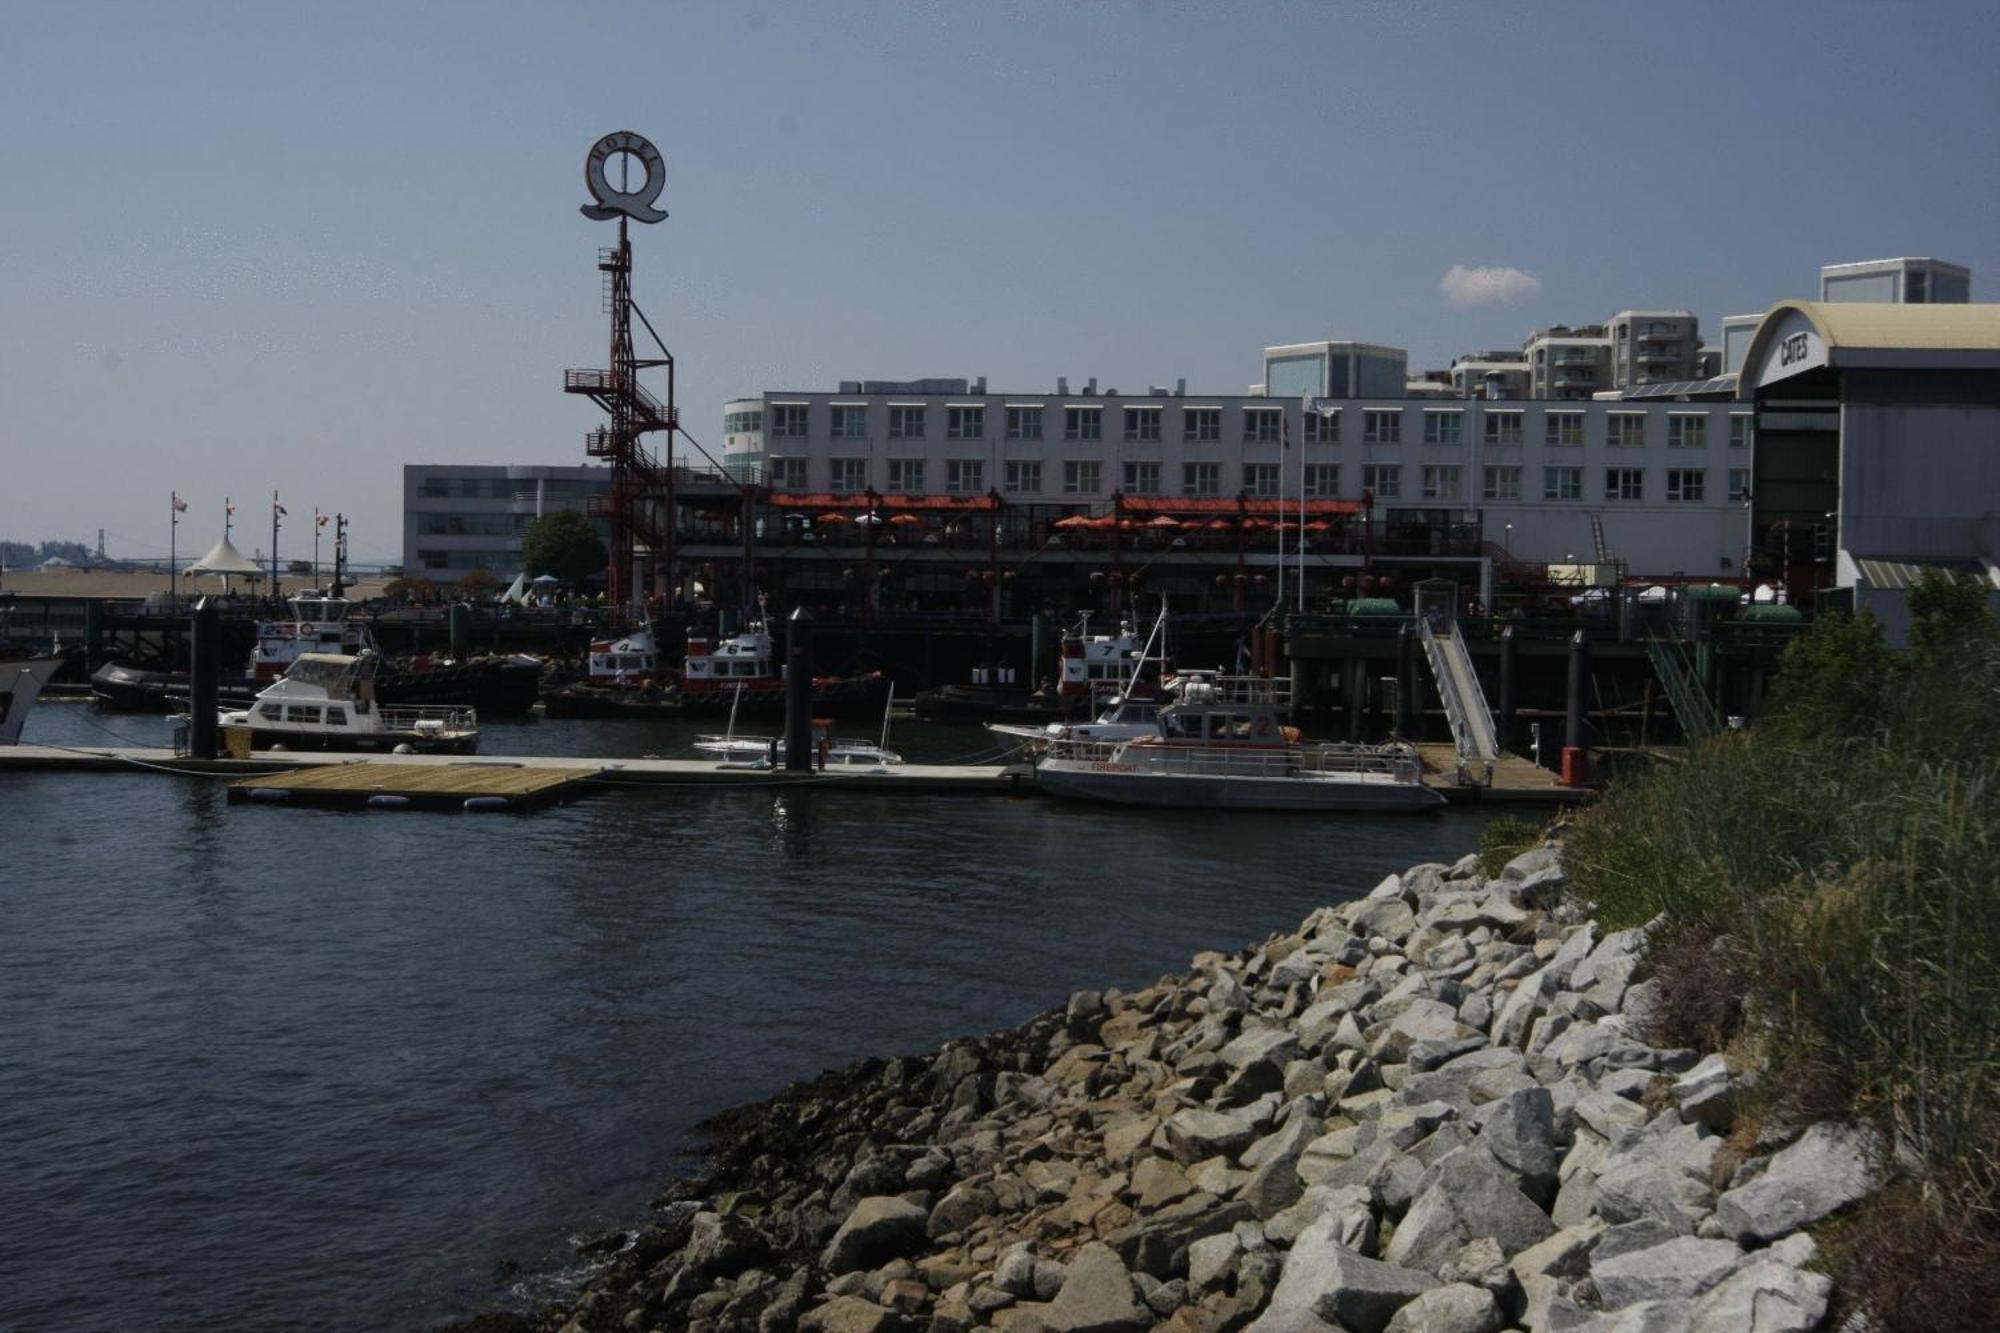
(516, 591)
(224, 558)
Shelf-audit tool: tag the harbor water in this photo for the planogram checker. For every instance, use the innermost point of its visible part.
(264, 1067)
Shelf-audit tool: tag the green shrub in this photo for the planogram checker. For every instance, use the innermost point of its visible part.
(1505, 838)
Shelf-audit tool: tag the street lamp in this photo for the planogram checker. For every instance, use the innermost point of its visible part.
(1507, 541)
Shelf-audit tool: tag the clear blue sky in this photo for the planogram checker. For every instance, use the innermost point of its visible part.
(254, 246)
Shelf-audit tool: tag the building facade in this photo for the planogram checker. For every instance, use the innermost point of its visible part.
(1568, 363)
(1905, 281)
(1660, 485)
(1654, 347)
(462, 517)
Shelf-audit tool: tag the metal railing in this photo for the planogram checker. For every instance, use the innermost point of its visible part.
(410, 718)
(1690, 704)
(1465, 707)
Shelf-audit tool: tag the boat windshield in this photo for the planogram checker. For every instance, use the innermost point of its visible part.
(321, 608)
(331, 676)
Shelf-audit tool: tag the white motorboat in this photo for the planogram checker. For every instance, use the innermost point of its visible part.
(1221, 744)
(829, 751)
(1129, 713)
(326, 701)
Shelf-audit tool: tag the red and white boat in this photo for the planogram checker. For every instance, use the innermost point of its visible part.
(320, 623)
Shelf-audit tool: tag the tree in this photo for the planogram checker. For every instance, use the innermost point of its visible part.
(479, 585)
(563, 544)
(1835, 680)
(1949, 616)
(419, 590)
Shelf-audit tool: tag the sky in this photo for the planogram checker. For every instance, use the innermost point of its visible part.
(255, 247)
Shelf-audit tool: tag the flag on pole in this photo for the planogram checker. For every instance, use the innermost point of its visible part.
(277, 508)
(228, 509)
(180, 505)
(319, 519)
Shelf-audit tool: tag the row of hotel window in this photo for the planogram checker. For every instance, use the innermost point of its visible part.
(1261, 425)
(1444, 482)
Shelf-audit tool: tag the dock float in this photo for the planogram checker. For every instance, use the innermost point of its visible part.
(388, 786)
(1515, 780)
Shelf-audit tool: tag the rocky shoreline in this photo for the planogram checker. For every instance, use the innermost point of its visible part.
(1430, 1110)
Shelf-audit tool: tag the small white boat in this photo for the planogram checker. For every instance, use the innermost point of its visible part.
(326, 701)
(829, 751)
(1221, 744)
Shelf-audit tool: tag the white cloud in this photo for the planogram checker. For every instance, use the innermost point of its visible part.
(1465, 285)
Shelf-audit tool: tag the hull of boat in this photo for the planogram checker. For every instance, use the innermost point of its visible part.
(494, 689)
(859, 698)
(1129, 785)
(384, 743)
(957, 703)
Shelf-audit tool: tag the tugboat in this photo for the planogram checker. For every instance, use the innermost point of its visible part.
(327, 701)
(1221, 745)
(738, 672)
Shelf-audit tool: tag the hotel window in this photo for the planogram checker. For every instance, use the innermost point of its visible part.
(1024, 476)
(1626, 430)
(1083, 423)
(1382, 480)
(1503, 428)
(1260, 478)
(1739, 485)
(1502, 483)
(1142, 423)
(906, 423)
(1562, 483)
(1262, 425)
(1739, 430)
(1322, 427)
(1686, 484)
(788, 421)
(1444, 427)
(1201, 479)
(1083, 477)
(1444, 482)
(1381, 427)
(1201, 423)
(850, 423)
(1024, 423)
(1323, 480)
(965, 423)
(1142, 478)
(966, 476)
(1564, 430)
(849, 474)
(906, 474)
(1687, 432)
(788, 474)
(1624, 483)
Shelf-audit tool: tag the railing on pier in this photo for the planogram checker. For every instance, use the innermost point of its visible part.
(409, 717)
(1465, 707)
(1690, 703)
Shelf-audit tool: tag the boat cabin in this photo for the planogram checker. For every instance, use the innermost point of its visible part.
(744, 658)
(631, 660)
(1226, 710)
(321, 623)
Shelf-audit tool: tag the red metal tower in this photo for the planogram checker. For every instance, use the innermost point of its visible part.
(639, 503)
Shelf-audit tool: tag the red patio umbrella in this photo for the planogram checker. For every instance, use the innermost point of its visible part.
(1165, 521)
(833, 518)
(904, 519)
(1073, 521)
(1219, 525)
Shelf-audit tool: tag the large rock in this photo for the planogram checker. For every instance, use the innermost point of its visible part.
(959, 1209)
(1275, 1184)
(1681, 1269)
(1464, 1195)
(1829, 1167)
(1271, 1046)
(1195, 1135)
(1458, 1308)
(1522, 1135)
(1096, 1296)
(1158, 1244)
(879, 1229)
(1158, 1182)
(1765, 1295)
(1325, 1279)
(847, 1314)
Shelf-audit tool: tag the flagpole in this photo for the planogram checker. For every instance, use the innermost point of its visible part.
(1304, 439)
(274, 544)
(315, 546)
(173, 531)
(1285, 435)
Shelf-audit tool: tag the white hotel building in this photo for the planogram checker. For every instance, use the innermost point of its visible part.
(1657, 484)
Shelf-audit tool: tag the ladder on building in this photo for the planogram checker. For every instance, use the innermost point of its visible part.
(1684, 693)
(1597, 539)
(1473, 734)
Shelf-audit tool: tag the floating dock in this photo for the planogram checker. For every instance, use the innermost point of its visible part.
(452, 779)
(429, 786)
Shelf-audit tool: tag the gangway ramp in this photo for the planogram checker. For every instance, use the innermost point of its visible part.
(1473, 734)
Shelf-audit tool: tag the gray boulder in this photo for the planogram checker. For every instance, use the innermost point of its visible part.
(1195, 1135)
(959, 1209)
(1829, 1167)
(1458, 1308)
(879, 1229)
(1096, 1296)
(1681, 1269)
(1464, 1195)
(1765, 1295)
(1158, 1244)
(1339, 1286)
(1521, 1133)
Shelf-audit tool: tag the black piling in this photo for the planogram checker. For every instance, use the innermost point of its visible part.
(1406, 683)
(1574, 769)
(798, 691)
(203, 675)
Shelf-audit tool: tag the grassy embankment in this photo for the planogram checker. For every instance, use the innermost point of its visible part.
(1830, 888)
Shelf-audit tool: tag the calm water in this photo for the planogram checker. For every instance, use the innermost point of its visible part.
(266, 1068)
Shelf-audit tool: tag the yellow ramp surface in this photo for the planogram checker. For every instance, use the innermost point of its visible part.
(435, 782)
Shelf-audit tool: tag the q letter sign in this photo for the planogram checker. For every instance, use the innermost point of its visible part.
(617, 201)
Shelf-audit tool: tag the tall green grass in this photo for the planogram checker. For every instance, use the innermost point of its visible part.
(1849, 886)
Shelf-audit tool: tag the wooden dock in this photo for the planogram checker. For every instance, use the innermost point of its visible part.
(1515, 779)
(429, 786)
